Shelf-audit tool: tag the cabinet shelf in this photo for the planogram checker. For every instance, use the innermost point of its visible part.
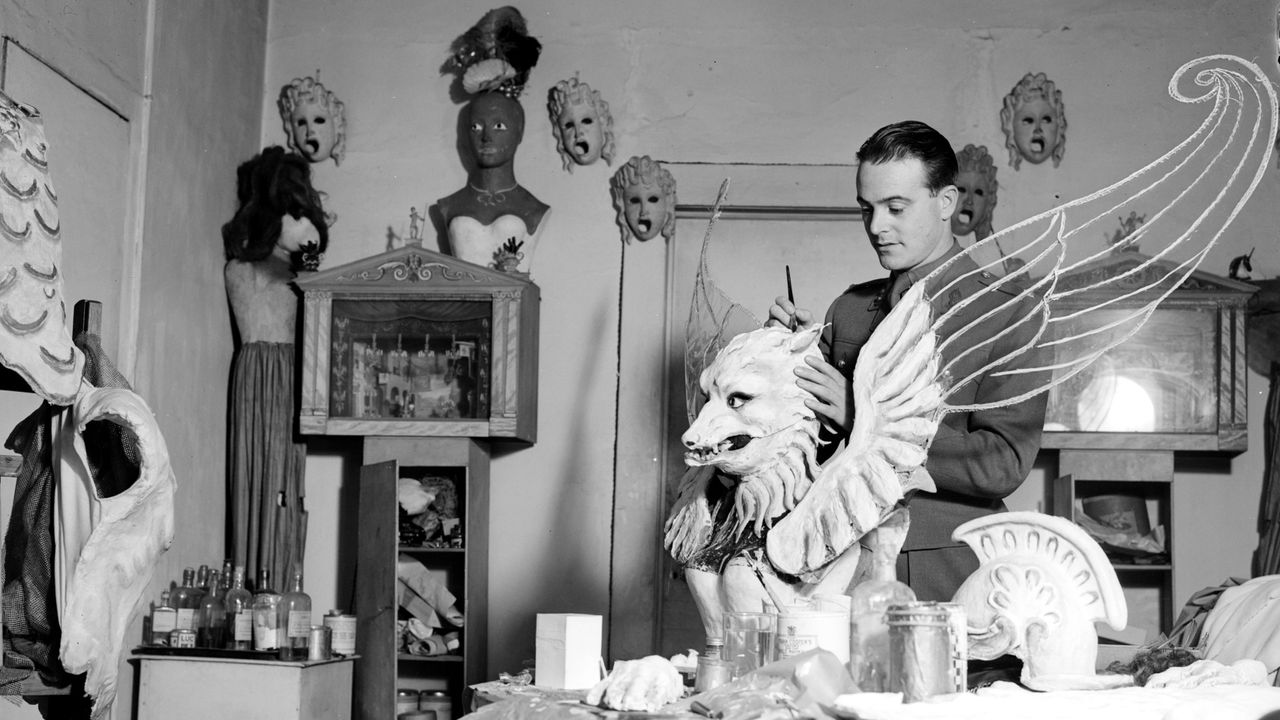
(460, 465)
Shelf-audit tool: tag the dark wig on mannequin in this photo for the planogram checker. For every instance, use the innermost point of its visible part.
(270, 185)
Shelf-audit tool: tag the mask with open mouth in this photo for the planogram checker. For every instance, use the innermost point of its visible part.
(581, 122)
(644, 194)
(314, 120)
(1034, 121)
(976, 182)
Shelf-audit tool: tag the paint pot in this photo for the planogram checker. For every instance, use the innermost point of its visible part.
(406, 702)
(438, 702)
(920, 661)
(821, 625)
(320, 643)
(343, 628)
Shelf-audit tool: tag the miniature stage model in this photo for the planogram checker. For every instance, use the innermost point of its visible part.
(1034, 120)
(644, 194)
(494, 218)
(315, 120)
(581, 122)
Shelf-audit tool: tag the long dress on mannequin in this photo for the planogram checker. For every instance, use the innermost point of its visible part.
(267, 518)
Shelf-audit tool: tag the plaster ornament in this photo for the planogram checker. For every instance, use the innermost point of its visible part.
(755, 509)
(34, 340)
(581, 123)
(976, 181)
(1034, 120)
(315, 120)
(1041, 586)
(644, 194)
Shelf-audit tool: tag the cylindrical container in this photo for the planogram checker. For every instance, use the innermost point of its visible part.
(417, 715)
(438, 702)
(919, 650)
(182, 638)
(959, 627)
(319, 643)
(749, 640)
(343, 627)
(803, 629)
(712, 673)
(406, 701)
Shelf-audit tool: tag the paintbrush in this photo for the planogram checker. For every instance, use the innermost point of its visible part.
(791, 298)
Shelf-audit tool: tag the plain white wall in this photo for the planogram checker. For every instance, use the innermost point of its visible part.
(721, 81)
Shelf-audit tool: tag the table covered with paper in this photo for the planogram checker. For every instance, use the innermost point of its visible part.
(816, 685)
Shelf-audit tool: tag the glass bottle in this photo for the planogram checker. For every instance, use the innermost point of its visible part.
(266, 630)
(202, 580)
(224, 580)
(185, 601)
(238, 604)
(295, 618)
(163, 620)
(211, 621)
(869, 631)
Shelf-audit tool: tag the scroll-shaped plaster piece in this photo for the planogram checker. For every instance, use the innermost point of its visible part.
(34, 340)
(1042, 585)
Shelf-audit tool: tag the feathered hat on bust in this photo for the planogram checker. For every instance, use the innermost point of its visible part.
(497, 53)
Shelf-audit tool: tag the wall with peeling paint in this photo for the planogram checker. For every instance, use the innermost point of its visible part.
(752, 82)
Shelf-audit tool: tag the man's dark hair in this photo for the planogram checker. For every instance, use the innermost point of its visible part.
(913, 139)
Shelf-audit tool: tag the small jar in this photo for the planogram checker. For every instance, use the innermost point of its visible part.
(438, 702)
(406, 701)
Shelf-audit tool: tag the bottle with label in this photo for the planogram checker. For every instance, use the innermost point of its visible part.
(869, 629)
(238, 604)
(163, 620)
(266, 603)
(211, 620)
(295, 618)
(186, 601)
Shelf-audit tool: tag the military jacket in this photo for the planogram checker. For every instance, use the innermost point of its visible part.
(976, 458)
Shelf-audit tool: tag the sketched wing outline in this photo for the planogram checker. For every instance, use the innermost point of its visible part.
(853, 491)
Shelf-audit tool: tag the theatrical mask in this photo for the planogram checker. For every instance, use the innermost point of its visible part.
(647, 209)
(495, 129)
(312, 131)
(1034, 121)
(974, 206)
(314, 120)
(581, 132)
(1035, 130)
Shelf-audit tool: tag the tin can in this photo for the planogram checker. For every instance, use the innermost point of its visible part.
(319, 643)
(919, 650)
(343, 628)
(182, 638)
(437, 701)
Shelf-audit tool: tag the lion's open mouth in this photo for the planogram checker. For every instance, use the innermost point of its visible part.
(708, 455)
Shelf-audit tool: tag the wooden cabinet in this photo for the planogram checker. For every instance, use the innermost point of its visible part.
(1146, 479)
(383, 669)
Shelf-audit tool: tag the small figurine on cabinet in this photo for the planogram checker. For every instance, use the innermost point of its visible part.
(1034, 120)
(644, 194)
(280, 218)
(315, 120)
(581, 123)
(494, 59)
(976, 181)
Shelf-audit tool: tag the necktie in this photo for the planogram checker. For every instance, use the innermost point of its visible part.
(898, 286)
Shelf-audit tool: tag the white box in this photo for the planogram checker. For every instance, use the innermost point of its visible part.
(568, 650)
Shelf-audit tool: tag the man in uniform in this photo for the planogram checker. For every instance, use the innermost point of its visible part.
(906, 189)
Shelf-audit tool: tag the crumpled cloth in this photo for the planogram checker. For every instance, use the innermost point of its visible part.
(1245, 624)
(1209, 673)
(424, 595)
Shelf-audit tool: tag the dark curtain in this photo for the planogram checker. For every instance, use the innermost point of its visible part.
(1266, 560)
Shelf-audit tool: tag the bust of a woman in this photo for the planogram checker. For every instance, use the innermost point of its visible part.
(493, 218)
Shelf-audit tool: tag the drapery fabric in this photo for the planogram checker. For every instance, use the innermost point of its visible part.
(1266, 559)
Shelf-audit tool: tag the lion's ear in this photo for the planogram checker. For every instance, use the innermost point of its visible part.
(803, 338)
